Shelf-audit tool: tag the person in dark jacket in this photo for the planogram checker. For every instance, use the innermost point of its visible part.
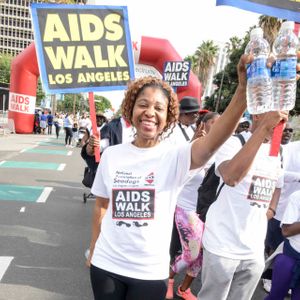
(115, 132)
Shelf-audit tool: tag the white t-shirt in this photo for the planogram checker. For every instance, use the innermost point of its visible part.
(142, 186)
(236, 222)
(177, 136)
(291, 165)
(187, 198)
(292, 215)
(85, 123)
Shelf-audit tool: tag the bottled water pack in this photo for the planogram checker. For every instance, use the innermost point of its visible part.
(283, 72)
(259, 84)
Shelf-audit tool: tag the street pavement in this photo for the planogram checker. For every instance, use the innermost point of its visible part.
(42, 244)
(44, 224)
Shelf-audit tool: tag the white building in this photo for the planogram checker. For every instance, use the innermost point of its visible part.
(16, 31)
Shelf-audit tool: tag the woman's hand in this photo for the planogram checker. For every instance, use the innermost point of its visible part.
(89, 258)
(200, 131)
(242, 69)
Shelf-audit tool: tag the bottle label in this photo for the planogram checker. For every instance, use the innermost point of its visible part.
(258, 68)
(284, 69)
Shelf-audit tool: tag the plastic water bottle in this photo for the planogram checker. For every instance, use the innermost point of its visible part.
(283, 71)
(259, 84)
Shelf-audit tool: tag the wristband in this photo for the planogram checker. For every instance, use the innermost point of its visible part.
(272, 210)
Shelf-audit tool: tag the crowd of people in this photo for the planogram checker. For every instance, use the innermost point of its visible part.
(153, 161)
(145, 226)
(76, 127)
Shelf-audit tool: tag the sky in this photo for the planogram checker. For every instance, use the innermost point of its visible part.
(185, 24)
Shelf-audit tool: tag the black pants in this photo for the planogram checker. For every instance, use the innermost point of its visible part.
(110, 286)
(50, 129)
(57, 129)
(175, 245)
(274, 236)
(69, 135)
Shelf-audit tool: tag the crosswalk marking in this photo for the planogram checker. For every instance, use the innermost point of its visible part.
(46, 151)
(43, 197)
(10, 192)
(61, 167)
(4, 264)
(31, 165)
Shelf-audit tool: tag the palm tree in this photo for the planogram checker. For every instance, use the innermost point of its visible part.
(233, 44)
(270, 26)
(205, 56)
(193, 61)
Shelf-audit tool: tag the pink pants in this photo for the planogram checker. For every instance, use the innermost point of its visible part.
(190, 229)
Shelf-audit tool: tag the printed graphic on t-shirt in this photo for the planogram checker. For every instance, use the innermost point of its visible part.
(123, 179)
(261, 189)
(150, 178)
(133, 204)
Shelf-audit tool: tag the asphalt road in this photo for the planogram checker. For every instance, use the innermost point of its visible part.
(42, 244)
(46, 240)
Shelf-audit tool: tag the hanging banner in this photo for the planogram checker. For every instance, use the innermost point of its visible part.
(82, 48)
(283, 9)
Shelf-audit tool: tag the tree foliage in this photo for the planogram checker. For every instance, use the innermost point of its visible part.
(226, 87)
(102, 103)
(227, 80)
(204, 58)
(270, 27)
(71, 103)
(5, 63)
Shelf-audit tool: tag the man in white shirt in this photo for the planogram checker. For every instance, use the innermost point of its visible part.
(291, 166)
(236, 222)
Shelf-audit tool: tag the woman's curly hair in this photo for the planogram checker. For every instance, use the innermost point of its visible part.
(137, 86)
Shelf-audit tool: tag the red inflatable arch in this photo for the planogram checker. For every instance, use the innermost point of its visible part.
(25, 73)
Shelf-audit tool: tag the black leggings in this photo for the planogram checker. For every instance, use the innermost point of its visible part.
(69, 135)
(110, 286)
(57, 129)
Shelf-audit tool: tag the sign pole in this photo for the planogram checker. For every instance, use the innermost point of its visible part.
(94, 124)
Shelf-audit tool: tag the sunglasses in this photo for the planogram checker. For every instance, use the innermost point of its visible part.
(244, 125)
(291, 130)
(192, 114)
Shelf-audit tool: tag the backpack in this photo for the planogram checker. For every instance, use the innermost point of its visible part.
(207, 192)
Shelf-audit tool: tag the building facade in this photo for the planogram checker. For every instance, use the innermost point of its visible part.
(16, 31)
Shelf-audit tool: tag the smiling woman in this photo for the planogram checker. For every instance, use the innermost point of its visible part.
(136, 188)
(154, 110)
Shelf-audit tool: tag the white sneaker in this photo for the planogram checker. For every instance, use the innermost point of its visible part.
(267, 285)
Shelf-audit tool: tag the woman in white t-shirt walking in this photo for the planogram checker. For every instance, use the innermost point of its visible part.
(189, 225)
(136, 188)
